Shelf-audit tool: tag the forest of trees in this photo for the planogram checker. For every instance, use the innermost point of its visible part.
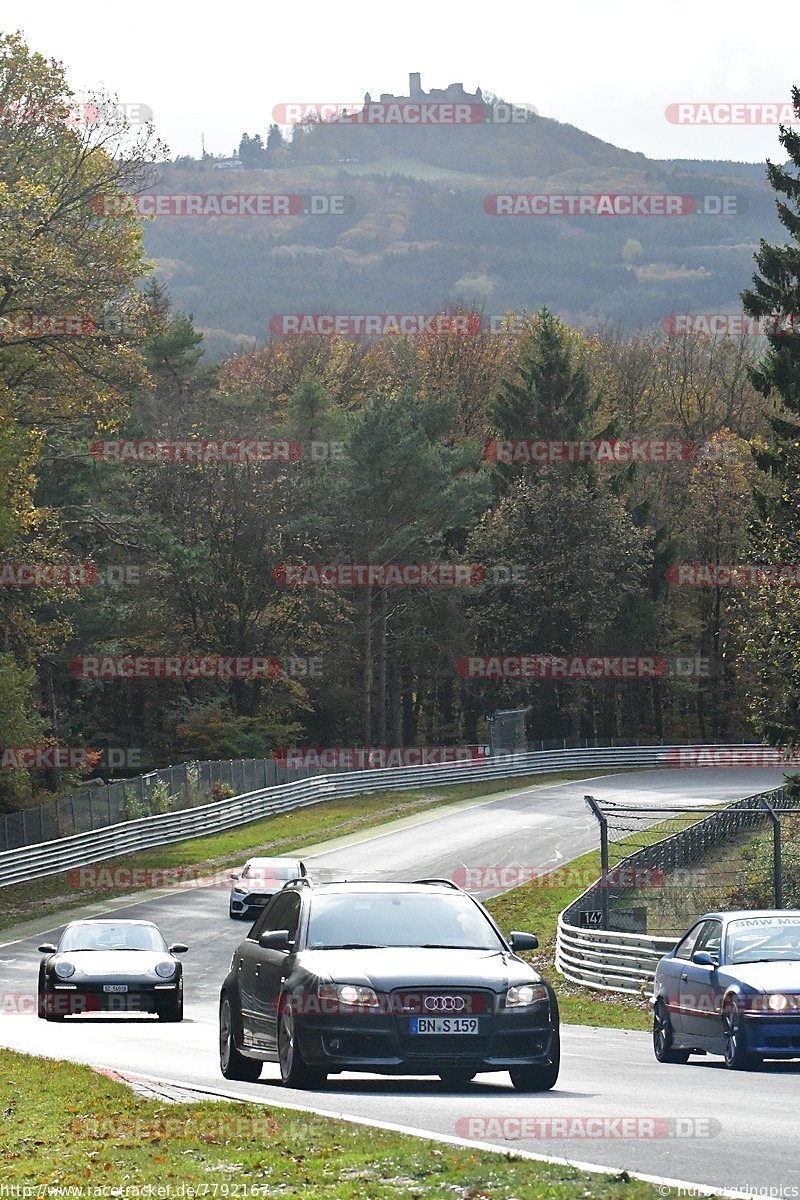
(579, 558)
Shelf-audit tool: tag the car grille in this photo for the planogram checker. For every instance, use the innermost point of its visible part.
(257, 898)
(443, 1002)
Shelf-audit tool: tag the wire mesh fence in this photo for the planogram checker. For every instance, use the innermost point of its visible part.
(185, 785)
(663, 866)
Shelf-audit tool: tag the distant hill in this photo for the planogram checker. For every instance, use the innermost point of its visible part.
(416, 236)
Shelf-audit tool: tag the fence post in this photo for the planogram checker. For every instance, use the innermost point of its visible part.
(777, 869)
(603, 823)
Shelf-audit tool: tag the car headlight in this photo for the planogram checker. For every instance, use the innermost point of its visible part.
(65, 970)
(524, 994)
(777, 1002)
(165, 969)
(348, 993)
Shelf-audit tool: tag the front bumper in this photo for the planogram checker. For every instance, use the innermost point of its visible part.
(383, 1042)
(248, 904)
(91, 996)
(773, 1036)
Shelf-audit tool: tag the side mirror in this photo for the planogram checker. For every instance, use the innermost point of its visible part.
(178, 948)
(47, 949)
(275, 939)
(703, 959)
(523, 941)
(303, 870)
(234, 875)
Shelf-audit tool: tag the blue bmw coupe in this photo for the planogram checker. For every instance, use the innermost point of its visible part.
(731, 986)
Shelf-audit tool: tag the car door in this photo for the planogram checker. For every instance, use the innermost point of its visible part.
(270, 967)
(248, 975)
(698, 985)
(670, 972)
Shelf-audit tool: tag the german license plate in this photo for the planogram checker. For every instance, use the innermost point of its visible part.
(115, 987)
(444, 1025)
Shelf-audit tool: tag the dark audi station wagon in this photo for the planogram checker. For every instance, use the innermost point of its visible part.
(390, 978)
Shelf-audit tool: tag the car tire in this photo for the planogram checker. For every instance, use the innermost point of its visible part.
(295, 1072)
(539, 1079)
(734, 1040)
(232, 1064)
(457, 1077)
(664, 1037)
(172, 1011)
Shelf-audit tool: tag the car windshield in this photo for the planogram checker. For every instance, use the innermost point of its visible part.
(764, 939)
(102, 935)
(399, 919)
(263, 872)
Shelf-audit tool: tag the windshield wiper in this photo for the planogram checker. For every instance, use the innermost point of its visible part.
(353, 946)
(450, 946)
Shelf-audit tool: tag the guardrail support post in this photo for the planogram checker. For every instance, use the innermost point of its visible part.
(777, 868)
(603, 823)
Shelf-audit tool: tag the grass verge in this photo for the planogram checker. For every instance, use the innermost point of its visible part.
(65, 1126)
(283, 834)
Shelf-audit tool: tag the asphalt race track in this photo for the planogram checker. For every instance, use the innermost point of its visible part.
(709, 1125)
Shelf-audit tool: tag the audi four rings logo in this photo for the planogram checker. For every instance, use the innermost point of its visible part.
(445, 1003)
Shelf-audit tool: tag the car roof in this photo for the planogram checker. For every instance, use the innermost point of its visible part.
(366, 887)
(273, 862)
(111, 921)
(742, 914)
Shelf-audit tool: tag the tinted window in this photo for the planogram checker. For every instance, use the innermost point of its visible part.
(686, 946)
(110, 935)
(399, 919)
(282, 912)
(710, 938)
(262, 874)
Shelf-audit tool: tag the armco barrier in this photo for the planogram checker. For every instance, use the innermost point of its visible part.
(49, 858)
(610, 960)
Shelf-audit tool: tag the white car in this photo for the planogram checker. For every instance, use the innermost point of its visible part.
(258, 881)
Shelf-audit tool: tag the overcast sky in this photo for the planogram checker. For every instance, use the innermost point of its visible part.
(610, 67)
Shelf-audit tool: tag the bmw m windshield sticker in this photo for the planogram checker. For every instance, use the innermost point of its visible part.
(758, 922)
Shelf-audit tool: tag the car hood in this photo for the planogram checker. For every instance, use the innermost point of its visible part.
(768, 976)
(392, 967)
(112, 962)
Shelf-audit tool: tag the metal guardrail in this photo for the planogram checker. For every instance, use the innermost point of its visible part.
(608, 961)
(614, 961)
(52, 857)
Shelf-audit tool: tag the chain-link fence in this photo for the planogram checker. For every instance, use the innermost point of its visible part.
(167, 790)
(662, 866)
